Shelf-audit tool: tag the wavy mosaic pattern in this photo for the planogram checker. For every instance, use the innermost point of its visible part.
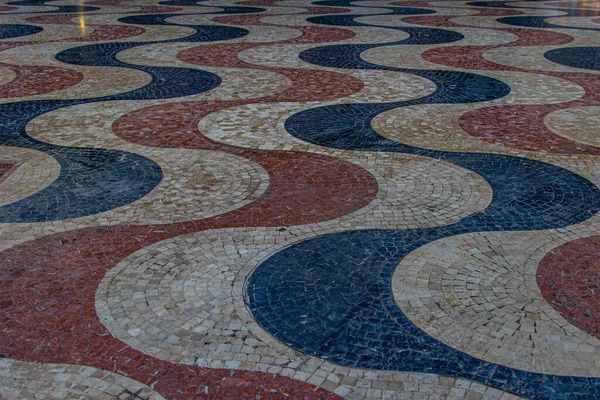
(299, 199)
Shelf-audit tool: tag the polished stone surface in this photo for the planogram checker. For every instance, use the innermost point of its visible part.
(299, 199)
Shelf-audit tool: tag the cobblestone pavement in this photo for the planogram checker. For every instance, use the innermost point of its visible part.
(299, 199)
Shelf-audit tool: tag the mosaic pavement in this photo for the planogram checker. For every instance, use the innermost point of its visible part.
(275, 199)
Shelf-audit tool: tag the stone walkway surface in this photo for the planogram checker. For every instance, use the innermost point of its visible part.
(299, 199)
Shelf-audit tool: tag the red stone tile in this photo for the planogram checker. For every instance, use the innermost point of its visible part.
(32, 80)
(569, 279)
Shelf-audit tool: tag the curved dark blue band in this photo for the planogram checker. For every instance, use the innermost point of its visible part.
(97, 180)
(578, 57)
(8, 31)
(331, 296)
